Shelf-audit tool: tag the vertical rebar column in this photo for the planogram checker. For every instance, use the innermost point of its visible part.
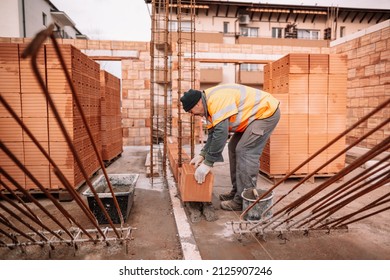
(152, 81)
(192, 71)
(179, 68)
(166, 45)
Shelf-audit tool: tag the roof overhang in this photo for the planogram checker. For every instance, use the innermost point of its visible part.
(62, 17)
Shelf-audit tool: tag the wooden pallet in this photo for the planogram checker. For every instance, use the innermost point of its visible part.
(61, 194)
(274, 178)
(113, 159)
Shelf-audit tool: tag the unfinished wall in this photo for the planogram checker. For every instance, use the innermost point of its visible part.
(135, 58)
(368, 54)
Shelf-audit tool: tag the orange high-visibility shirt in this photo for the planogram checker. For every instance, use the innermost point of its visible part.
(241, 104)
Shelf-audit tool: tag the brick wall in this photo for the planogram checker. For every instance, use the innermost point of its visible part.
(368, 54)
(136, 77)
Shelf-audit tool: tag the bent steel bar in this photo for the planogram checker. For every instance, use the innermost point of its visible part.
(25, 213)
(365, 118)
(32, 50)
(66, 183)
(87, 128)
(30, 197)
(40, 186)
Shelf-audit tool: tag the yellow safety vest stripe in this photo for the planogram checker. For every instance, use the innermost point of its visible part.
(241, 104)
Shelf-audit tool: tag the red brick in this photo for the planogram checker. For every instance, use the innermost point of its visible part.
(319, 63)
(190, 190)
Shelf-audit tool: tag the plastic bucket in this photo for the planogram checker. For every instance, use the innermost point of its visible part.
(255, 213)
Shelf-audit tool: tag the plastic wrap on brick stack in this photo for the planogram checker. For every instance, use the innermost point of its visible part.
(312, 91)
(111, 120)
(35, 117)
(10, 132)
(85, 75)
(20, 89)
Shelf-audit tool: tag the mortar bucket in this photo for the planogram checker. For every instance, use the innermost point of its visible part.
(248, 197)
(123, 186)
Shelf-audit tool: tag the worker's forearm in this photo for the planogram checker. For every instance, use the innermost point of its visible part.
(215, 144)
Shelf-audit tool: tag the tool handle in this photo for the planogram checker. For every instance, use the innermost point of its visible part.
(255, 193)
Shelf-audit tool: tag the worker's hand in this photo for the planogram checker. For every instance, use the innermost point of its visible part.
(201, 172)
(197, 160)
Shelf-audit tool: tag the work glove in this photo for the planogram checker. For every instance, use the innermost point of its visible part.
(197, 160)
(201, 172)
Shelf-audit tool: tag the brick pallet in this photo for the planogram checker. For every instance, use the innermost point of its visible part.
(312, 91)
(21, 90)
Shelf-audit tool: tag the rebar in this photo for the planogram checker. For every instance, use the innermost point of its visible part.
(57, 171)
(32, 50)
(360, 121)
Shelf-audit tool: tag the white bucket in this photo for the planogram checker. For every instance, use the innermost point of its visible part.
(255, 213)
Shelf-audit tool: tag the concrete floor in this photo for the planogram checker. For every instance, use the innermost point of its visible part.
(163, 231)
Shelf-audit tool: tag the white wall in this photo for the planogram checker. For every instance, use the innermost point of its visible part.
(10, 26)
(34, 10)
(215, 24)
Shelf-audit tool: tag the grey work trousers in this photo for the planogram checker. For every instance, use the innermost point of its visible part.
(245, 149)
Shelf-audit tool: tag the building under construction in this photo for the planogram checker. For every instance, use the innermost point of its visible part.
(89, 159)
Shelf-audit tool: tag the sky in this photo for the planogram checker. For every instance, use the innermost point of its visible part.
(129, 20)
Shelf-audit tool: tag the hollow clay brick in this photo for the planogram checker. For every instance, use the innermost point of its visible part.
(190, 190)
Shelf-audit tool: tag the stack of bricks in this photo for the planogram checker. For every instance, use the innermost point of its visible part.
(10, 131)
(111, 129)
(22, 91)
(85, 74)
(311, 89)
(189, 189)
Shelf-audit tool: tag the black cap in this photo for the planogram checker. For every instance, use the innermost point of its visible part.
(190, 98)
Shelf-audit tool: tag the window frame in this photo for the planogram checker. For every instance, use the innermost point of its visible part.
(280, 31)
(44, 19)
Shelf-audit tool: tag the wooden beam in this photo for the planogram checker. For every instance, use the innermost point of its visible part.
(304, 18)
(313, 19)
(280, 14)
(379, 19)
(346, 16)
(371, 18)
(288, 17)
(354, 17)
(221, 60)
(362, 17)
(110, 58)
(217, 13)
(227, 11)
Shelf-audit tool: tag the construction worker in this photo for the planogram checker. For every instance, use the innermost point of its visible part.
(251, 114)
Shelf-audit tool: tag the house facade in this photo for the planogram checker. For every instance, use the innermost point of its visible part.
(280, 27)
(23, 19)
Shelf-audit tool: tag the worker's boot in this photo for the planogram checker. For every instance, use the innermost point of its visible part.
(209, 212)
(231, 205)
(194, 209)
(227, 196)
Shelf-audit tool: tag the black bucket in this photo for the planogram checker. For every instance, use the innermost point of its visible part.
(123, 186)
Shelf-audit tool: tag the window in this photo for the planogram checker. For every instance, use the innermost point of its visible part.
(226, 27)
(249, 67)
(249, 31)
(276, 32)
(342, 31)
(308, 34)
(185, 26)
(44, 19)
